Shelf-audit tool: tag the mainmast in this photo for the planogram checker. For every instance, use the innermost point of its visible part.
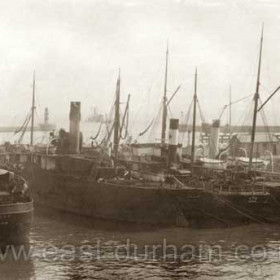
(194, 119)
(124, 122)
(117, 119)
(256, 99)
(164, 110)
(32, 110)
(229, 117)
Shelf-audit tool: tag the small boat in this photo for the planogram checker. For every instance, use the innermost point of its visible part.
(16, 209)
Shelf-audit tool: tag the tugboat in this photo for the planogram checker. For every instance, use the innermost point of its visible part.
(16, 209)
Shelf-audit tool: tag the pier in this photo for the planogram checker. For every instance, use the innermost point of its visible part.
(42, 127)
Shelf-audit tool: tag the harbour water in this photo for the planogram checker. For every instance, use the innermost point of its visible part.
(64, 246)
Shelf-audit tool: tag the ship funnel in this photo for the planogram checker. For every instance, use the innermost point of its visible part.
(75, 117)
(214, 139)
(173, 141)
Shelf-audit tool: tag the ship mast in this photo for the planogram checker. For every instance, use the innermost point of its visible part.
(117, 120)
(32, 110)
(164, 110)
(256, 99)
(194, 119)
(229, 117)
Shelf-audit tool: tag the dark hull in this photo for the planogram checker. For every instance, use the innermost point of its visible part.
(275, 193)
(203, 209)
(15, 223)
(103, 200)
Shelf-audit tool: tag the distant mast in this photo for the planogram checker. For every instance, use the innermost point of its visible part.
(194, 119)
(256, 99)
(117, 120)
(46, 116)
(164, 110)
(32, 111)
(229, 113)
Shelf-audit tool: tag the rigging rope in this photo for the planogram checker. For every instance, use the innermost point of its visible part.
(239, 130)
(156, 122)
(241, 99)
(232, 103)
(125, 120)
(223, 110)
(246, 118)
(240, 210)
(266, 124)
(188, 113)
(24, 129)
(170, 113)
(100, 144)
(126, 129)
(98, 132)
(109, 134)
(24, 123)
(187, 122)
(144, 132)
(200, 112)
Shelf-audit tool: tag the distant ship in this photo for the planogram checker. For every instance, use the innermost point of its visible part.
(95, 117)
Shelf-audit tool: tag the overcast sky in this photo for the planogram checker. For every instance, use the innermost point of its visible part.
(76, 48)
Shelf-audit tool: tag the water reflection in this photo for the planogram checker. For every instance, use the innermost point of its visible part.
(69, 247)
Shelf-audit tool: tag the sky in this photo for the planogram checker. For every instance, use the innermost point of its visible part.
(77, 47)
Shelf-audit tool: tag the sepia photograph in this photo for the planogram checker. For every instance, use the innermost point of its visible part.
(139, 139)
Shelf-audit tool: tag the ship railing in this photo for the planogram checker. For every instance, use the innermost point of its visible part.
(270, 174)
(232, 189)
(178, 183)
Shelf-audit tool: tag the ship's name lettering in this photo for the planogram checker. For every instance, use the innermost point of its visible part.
(252, 199)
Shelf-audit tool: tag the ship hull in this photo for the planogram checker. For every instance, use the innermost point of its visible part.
(207, 209)
(15, 223)
(120, 202)
(275, 193)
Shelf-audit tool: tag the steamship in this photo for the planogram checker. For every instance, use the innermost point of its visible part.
(147, 188)
(208, 193)
(95, 117)
(88, 182)
(230, 195)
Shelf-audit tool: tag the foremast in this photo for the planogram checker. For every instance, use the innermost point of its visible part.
(117, 120)
(164, 109)
(194, 119)
(256, 101)
(32, 111)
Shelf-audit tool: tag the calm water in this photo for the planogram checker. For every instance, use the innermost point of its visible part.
(68, 247)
